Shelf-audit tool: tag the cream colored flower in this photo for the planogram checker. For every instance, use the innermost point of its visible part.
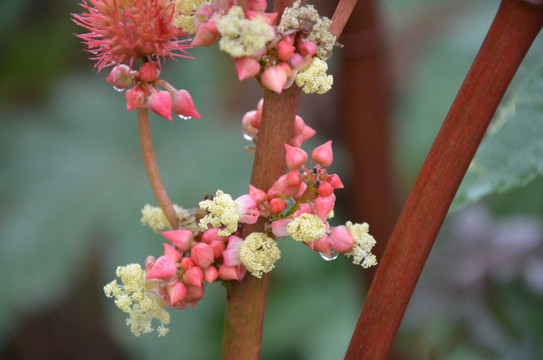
(259, 253)
(306, 227)
(361, 253)
(222, 213)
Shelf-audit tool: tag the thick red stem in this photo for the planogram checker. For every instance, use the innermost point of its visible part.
(509, 38)
(152, 169)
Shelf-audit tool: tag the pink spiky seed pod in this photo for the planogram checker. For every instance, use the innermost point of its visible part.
(121, 31)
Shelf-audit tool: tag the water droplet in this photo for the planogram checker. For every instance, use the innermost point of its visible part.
(333, 255)
(185, 117)
(247, 136)
(118, 89)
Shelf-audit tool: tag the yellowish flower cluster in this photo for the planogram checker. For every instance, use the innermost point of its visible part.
(133, 298)
(184, 17)
(306, 227)
(222, 212)
(313, 78)
(307, 18)
(241, 36)
(361, 253)
(259, 253)
(154, 217)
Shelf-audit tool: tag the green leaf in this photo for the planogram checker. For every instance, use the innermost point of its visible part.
(511, 154)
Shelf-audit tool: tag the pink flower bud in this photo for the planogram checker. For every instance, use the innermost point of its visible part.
(203, 37)
(148, 72)
(285, 50)
(149, 261)
(211, 235)
(284, 188)
(247, 209)
(246, 67)
(164, 268)
(218, 247)
(297, 61)
(295, 157)
(258, 195)
(257, 5)
(202, 255)
(119, 77)
(300, 192)
(307, 49)
(172, 253)
(325, 189)
(293, 178)
(181, 239)
(277, 205)
(274, 78)
(229, 272)
(323, 206)
(183, 105)
(279, 228)
(302, 209)
(231, 254)
(299, 125)
(323, 155)
(135, 99)
(267, 18)
(272, 192)
(193, 276)
(211, 274)
(341, 239)
(322, 245)
(287, 69)
(186, 263)
(176, 291)
(307, 133)
(335, 181)
(296, 141)
(194, 293)
(160, 102)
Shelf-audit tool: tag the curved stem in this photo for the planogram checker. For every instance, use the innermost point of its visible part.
(152, 168)
(509, 38)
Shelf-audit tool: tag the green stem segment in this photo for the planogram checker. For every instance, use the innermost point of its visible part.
(152, 169)
(516, 25)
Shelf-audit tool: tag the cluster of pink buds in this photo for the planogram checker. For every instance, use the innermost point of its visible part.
(272, 53)
(250, 125)
(144, 91)
(191, 261)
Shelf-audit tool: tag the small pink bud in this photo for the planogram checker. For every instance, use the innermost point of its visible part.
(211, 235)
(119, 77)
(272, 192)
(307, 49)
(148, 72)
(325, 189)
(176, 291)
(341, 239)
(257, 5)
(287, 69)
(323, 206)
(285, 50)
(202, 255)
(181, 239)
(335, 181)
(194, 293)
(299, 125)
(183, 105)
(164, 268)
(307, 133)
(160, 102)
(295, 157)
(172, 253)
(218, 247)
(246, 67)
(302, 209)
(211, 274)
(274, 78)
(284, 188)
(297, 61)
(300, 192)
(322, 245)
(247, 209)
(258, 195)
(277, 205)
(323, 155)
(293, 178)
(193, 276)
(186, 263)
(231, 254)
(279, 228)
(135, 99)
(149, 261)
(229, 272)
(203, 37)
(296, 141)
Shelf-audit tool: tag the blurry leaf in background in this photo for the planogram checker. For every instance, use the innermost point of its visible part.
(511, 154)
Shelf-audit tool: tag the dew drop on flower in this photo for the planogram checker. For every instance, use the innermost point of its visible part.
(247, 136)
(118, 89)
(333, 255)
(185, 117)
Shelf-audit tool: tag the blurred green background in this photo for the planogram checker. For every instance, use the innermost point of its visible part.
(72, 184)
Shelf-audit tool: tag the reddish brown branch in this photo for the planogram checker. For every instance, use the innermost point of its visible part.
(152, 169)
(509, 38)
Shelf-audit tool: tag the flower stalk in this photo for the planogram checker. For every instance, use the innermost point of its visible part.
(152, 168)
(512, 32)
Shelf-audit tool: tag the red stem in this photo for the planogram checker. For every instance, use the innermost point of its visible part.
(516, 25)
(152, 169)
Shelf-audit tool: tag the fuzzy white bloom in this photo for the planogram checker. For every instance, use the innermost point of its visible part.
(306, 227)
(361, 253)
(258, 253)
(313, 78)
